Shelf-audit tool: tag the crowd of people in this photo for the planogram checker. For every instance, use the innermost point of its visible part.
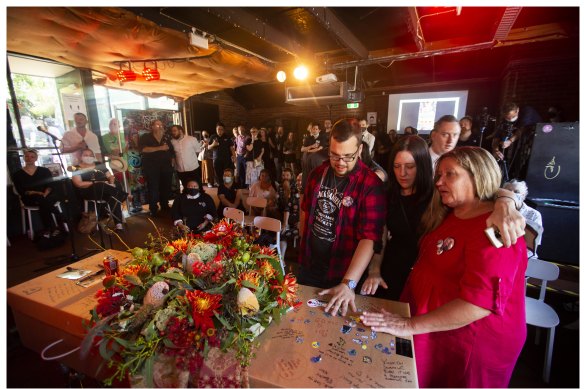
(376, 213)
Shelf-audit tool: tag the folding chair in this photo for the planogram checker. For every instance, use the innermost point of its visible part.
(274, 225)
(257, 202)
(540, 314)
(234, 214)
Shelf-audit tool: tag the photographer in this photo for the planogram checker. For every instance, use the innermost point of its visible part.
(513, 139)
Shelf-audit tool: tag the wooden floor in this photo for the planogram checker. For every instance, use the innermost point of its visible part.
(26, 369)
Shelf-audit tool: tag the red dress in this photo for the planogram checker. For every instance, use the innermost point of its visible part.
(467, 266)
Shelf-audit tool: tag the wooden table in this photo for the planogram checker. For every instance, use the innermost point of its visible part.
(48, 309)
(309, 348)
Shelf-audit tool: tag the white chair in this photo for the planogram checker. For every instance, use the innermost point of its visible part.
(257, 202)
(95, 202)
(274, 225)
(234, 214)
(538, 313)
(29, 209)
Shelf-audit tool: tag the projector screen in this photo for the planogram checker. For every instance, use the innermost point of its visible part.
(422, 110)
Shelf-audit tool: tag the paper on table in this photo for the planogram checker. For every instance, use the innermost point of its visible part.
(74, 274)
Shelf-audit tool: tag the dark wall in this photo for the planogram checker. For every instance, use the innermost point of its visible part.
(538, 83)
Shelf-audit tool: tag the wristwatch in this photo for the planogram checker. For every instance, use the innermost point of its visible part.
(350, 283)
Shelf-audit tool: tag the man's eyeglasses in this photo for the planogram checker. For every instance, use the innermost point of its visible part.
(347, 158)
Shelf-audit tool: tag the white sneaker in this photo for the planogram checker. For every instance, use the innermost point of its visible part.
(119, 227)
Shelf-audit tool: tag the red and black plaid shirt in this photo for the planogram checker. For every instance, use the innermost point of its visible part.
(364, 219)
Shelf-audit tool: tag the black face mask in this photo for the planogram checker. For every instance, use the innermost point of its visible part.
(192, 191)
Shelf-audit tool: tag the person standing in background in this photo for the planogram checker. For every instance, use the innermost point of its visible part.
(80, 138)
(289, 151)
(186, 151)
(240, 151)
(223, 151)
(367, 136)
(114, 144)
(207, 171)
(157, 154)
(467, 137)
(279, 140)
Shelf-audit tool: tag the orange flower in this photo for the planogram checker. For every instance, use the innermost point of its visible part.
(253, 277)
(289, 288)
(203, 306)
(267, 270)
(180, 245)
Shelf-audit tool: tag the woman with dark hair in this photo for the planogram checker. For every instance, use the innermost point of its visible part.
(410, 191)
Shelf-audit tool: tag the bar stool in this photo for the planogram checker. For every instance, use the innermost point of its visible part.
(29, 209)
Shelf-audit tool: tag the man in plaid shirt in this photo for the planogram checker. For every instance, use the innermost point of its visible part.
(345, 211)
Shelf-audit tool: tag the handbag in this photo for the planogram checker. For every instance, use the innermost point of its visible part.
(201, 155)
(87, 223)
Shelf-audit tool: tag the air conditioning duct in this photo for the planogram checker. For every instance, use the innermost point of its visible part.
(317, 94)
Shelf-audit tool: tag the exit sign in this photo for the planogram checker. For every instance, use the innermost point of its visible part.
(352, 105)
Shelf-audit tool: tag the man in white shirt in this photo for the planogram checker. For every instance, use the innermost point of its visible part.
(367, 136)
(444, 137)
(186, 150)
(80, 138)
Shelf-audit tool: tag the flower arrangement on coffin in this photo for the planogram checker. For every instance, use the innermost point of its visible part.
(177, 300)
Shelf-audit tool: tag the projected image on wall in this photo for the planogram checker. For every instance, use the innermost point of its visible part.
(422, 110)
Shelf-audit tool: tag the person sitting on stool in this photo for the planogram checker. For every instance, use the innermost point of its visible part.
(34, 185)
(97, 183)
(193, 210)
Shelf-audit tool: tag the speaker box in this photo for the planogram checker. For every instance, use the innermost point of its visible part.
(553, 171)
(560, 240)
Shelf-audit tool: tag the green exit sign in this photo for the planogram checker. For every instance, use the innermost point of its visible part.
(353, 105)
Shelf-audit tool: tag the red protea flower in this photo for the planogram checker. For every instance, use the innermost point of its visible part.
(268, 251)
(288, 287)
(203, 307)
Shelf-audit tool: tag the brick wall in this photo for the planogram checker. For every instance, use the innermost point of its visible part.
(231, 113)
(537, 83)
(543, 83)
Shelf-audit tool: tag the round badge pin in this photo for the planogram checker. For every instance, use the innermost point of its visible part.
(347, 201)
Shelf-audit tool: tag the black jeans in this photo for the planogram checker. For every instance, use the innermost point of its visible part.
(219, 165)
(158, 176)
(114, 196)
(241, 164)
(46, 207)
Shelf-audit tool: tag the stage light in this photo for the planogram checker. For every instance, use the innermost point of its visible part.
(126, 75)
(301, 72)
(150, 74)
(281, 76)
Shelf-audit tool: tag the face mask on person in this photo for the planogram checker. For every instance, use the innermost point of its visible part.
(88, 159)
(228, 180)
(192, 191)
(513, 120)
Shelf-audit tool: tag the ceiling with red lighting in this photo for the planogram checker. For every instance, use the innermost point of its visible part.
(386, 46)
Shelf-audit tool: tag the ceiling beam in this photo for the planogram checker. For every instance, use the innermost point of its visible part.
(506, 23)
(258, 28)
(335, 26)
(522, 35)
(416, 28)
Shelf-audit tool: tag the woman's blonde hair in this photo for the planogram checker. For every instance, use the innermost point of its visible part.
(485, 175)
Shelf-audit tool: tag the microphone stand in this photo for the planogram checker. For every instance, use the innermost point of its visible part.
(73, 257)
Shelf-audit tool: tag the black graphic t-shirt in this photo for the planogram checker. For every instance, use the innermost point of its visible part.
(330, 197)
